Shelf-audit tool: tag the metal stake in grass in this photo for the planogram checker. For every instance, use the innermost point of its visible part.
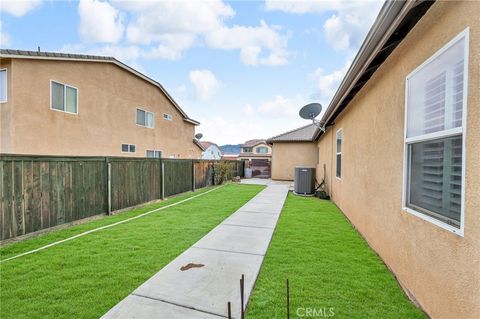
(242, 288)
(288, 300)
(229, 309)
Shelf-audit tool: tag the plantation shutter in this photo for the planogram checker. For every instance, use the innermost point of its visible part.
(436, 165)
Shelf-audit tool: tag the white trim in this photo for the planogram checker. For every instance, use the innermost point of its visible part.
(434, 135)
(6, 81)
(443, 134)
(168, 118)
(153, 117)
(337, 153)
(64, 97)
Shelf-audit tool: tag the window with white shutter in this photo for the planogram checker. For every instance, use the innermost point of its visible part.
(434, 135)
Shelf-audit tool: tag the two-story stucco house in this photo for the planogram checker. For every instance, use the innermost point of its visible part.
(211, 151)
(258, 154)
(82, 105)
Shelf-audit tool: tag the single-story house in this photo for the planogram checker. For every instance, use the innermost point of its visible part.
(293, 148)
(402, 150)
(84, 105)
(230, 157)
(211, 151)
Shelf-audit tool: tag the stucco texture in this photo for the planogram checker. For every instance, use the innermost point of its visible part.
(285, 156)
(440, 269)
(107, 100)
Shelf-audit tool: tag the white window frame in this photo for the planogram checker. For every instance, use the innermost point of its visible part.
(121, 144)
(64, 97)
(153, 117)
(261, 147)
(441, 134)
(6, 84)
(338, 153)
(167, 117)
(154, 153)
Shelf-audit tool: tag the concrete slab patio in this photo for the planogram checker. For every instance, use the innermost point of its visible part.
(237, 246)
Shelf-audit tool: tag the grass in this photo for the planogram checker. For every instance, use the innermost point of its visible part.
(330, 268)
(85, 277)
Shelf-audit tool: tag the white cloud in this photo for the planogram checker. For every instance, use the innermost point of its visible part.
(281, 107)
(100, 22)
(348, 24)
(205, 83)
(248, 109)
(262, 45)
(155, 19)
(328, 83)
(4, 37)
(167, 29)
(19, 8)
(171, 46)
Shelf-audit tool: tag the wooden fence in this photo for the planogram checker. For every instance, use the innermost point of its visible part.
(39, 192)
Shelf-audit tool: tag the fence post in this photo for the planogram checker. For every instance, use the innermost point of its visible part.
(163, 180)
(193, 175)
(109, 186)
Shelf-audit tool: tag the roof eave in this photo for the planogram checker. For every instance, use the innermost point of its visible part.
(390, 17)
(108, 60)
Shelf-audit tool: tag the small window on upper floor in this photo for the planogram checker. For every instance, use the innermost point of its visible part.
(262, 150)
(246, 149)
(145, 118)
(167, 117)
(63, 97)
(3, 85)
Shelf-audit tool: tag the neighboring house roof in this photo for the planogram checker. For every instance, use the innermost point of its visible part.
(207, 144)
(199, 144)
(251, 143)
(307, 133)
(21, 54)
(394, 22)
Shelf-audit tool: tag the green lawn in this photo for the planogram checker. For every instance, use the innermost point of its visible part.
(328, 265)
(85, 277)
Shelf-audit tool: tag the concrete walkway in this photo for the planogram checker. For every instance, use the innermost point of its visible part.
(237, 246)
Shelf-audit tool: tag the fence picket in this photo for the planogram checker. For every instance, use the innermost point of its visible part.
(39, 192)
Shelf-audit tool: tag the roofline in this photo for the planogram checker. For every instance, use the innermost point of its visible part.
(253, 145)
(196, 142)
(391, 15)
(271, 141)
(93, 58)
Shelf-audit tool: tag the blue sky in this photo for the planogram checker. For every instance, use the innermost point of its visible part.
(241, 68)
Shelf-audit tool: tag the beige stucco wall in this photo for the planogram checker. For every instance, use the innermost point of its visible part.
(441, 269)
(107, 100)
(285, 156)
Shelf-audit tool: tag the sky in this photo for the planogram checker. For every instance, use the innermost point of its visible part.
(241, 68)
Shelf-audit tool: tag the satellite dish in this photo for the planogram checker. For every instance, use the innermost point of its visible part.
(198, 136)
(310, 111)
